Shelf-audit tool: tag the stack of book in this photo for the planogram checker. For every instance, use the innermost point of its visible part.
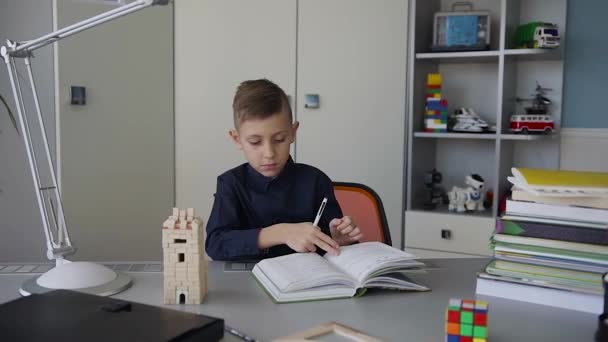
(551, 244)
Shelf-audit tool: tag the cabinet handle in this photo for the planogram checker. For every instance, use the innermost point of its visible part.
(446, 234)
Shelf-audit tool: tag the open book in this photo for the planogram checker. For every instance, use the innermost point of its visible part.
(309, 276)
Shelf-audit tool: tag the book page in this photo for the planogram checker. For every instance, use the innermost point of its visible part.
(364, 259)
(302, 270)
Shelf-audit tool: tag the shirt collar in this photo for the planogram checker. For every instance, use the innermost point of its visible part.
(262, 183)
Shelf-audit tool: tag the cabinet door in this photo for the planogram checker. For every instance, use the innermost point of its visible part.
(116, 152)
(218, 44)
(352, 53)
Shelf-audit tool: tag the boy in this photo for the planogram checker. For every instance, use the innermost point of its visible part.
(264, 208)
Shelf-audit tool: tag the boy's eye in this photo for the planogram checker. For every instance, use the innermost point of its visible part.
(280, 140)
(257, 142)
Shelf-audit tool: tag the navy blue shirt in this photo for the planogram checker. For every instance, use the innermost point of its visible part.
(247, 201)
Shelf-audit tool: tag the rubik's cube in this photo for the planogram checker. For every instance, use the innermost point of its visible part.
(436, 110)
(467, 321)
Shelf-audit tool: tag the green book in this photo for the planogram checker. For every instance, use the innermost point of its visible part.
(308, 276)
(549, 243)
(566, 254)
(543, 274)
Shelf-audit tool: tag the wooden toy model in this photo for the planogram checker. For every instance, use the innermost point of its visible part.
(185, 265)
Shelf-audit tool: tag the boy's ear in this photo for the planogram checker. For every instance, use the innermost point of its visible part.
(234, 136)
(294, 129)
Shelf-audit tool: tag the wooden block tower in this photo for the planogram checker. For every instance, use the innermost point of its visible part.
(467, 321)
(185, 265)
(436, 110)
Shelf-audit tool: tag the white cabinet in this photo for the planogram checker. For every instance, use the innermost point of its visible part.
(351, 53)
(461, 234)
(488, 81)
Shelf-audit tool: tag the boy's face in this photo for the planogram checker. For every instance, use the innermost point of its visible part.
(266, 142)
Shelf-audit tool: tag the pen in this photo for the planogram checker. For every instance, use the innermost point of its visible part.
(320, 212)
(239, 334)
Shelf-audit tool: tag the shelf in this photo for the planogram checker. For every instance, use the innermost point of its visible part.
(528, 137)
(443, 210)
(480, 136)
(461, 57)
(486, 136)
(490, 82)
(491, 56)
(534, 54)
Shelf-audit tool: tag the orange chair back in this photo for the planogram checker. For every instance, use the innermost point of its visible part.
(364, 205)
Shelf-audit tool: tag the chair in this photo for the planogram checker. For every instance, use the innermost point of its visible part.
(364, 205)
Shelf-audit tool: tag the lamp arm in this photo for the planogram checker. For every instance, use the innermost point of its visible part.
(48, 196)
(24, 48)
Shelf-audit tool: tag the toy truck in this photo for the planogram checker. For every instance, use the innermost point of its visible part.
(537, 34)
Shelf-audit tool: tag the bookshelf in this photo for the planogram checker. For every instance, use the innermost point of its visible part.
(490, 136)
(489, 82)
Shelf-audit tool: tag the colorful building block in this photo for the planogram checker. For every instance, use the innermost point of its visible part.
(436, 109)
(436, 112)
(433, 79)
(466, 321)
(437, 117)
(435, 124)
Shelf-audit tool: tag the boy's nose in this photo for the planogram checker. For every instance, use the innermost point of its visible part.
(269, 152)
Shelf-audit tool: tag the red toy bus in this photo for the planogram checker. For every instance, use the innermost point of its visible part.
(531, 123)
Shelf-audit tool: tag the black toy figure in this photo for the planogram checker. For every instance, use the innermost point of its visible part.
(436, 195)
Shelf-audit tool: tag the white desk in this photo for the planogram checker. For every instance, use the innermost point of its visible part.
(394, 316)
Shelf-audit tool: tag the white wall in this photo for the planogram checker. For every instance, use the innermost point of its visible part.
(116, 152)
(584, 149)
(21, 234)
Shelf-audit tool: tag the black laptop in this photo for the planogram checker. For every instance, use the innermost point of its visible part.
(73, 316)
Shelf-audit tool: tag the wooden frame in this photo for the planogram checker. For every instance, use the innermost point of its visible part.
(328, 328)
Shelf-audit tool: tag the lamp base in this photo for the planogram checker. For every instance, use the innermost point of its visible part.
(79, 276)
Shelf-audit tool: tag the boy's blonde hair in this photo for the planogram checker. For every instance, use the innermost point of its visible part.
(259, 99)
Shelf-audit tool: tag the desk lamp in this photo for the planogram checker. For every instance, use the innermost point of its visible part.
(80, 276)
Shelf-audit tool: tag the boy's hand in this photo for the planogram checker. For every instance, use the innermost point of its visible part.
(344, 230)
(304, 237)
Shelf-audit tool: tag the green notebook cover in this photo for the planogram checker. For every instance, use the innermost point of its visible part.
(547, 250)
